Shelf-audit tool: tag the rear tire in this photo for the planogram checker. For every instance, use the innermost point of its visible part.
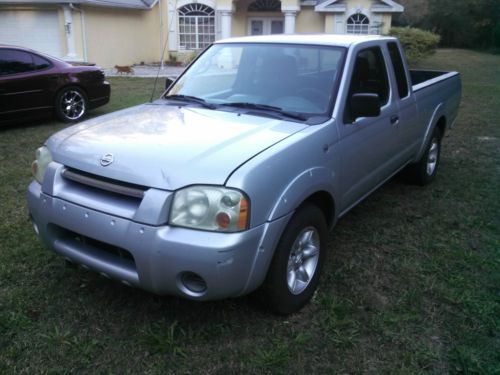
(424, 171)
(294, 273)
(71, 104)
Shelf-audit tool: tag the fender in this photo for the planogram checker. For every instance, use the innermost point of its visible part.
(310, 181)
(304, 185)
(436, 115)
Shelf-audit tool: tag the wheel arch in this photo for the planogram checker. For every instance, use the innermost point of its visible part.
(313, 186)
(316, 186)
(66, 85)
(438, 119)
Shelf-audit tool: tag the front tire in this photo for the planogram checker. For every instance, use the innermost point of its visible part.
(295, 270)
(71, 104)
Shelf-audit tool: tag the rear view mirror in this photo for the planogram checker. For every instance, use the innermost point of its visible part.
(365, 105)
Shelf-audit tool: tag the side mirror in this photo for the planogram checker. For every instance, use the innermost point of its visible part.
(365, 105)
(168, 83)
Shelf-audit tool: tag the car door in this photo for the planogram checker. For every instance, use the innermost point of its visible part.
(409, 129)
(24, 84)
(368, 144)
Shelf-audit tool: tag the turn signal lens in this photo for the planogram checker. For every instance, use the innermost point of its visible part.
(42, 159)
(243, 217)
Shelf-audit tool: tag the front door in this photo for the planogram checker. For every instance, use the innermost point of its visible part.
(369, 145)
(265, 26)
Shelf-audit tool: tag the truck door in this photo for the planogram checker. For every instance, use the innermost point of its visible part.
(408, 126)
(368, 144)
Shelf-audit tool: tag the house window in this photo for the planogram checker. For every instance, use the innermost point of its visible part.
(265, 6)
(358, 24)
(196, 26)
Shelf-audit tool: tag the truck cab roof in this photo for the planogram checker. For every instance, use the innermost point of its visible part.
(318, 39)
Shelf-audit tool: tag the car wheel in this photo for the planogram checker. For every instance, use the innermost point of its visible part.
(425, 170)
(71, 104)
(294, 272)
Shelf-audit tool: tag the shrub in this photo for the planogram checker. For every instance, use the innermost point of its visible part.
(416, 43)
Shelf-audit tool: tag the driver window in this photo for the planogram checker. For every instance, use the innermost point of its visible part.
(369, 76)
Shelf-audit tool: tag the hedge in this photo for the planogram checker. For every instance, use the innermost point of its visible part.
(416, 43)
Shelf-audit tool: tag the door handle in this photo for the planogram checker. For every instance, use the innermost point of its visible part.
(395, 120)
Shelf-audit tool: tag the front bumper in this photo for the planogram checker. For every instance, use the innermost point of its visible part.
(160, 259)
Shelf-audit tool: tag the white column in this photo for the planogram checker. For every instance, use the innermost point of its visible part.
(290, 22)
(70, 35)
(172, 26)
(225, 23)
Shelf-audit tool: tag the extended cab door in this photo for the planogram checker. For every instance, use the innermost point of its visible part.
(369, 145)
(408, 124)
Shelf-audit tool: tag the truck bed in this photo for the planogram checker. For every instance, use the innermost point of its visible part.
(421, 78)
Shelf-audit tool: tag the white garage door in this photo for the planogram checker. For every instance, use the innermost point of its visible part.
(36, 29)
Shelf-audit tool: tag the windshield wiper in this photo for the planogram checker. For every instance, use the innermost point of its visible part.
(265, 107)
(192, 99)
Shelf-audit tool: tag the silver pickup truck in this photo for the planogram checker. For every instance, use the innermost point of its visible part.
(230, 181)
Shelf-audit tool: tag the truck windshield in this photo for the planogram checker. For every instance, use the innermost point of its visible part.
(295, 79)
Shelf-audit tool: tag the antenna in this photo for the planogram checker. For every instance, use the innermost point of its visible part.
(163, 48)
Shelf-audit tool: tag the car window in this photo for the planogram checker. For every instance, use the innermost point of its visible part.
(12, 62)
(40, 63)
(370, 74)
(399, 69)
(295, 78)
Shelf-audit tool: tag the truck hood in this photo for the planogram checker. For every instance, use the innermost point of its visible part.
(168, 147)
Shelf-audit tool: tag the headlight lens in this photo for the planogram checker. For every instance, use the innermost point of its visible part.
(210, 208)
(42, 160)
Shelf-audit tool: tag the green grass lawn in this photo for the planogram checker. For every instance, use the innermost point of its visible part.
(412, 283)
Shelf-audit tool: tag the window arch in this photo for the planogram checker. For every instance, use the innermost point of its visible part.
(358, 24)
(196, 26)
(265, 6)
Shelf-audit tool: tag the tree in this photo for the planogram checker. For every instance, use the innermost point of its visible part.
(471, 23)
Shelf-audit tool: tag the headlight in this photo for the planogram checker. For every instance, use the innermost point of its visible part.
(210, 208)
(42, 160)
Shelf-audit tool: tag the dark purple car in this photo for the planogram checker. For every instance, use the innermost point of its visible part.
(34, 85)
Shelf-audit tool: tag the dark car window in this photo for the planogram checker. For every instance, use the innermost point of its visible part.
(370, 74)
(12, 62)
(399, 69)
(40, 63)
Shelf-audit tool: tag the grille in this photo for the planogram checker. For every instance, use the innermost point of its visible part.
(103, 247)
(103, 183)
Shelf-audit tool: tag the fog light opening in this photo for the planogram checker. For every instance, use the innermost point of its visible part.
(193, 283)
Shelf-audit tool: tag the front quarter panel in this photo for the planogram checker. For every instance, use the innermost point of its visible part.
(279, 179)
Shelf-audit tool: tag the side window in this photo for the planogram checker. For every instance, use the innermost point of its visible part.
(399, 69)
(369, 76)
(12, 62)
(40, 63)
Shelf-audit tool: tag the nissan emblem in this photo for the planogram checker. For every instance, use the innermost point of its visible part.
(107, 160)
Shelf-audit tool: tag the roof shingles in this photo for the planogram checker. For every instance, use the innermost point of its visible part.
(137, 4)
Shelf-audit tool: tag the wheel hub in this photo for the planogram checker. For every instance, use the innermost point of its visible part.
(303, 260)
(432, 157)
(73, 105)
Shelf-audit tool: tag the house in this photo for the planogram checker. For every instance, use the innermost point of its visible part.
(125, 32)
